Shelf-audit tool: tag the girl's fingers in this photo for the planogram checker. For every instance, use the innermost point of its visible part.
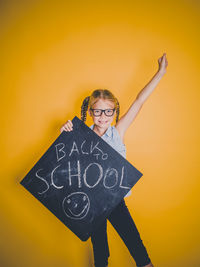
(70, 123)
(67, 127)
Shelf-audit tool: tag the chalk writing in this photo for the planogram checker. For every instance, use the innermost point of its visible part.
(83, 178)
(61, 153)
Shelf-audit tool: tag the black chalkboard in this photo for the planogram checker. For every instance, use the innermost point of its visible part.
(80, 179)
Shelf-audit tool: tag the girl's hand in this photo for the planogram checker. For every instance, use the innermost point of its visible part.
(68, 126)
(163, 63)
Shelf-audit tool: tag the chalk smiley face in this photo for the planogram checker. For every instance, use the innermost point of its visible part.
(76, 205)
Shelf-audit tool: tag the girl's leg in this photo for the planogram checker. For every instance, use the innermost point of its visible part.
(100, 245)
(123, 223)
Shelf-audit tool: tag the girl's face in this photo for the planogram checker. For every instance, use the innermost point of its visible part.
(102, 121)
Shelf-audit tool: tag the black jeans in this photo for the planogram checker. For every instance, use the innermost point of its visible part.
(123, 223)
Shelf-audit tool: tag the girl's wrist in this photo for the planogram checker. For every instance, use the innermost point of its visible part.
(161, 72)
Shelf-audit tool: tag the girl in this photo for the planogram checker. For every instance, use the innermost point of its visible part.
(102, 106)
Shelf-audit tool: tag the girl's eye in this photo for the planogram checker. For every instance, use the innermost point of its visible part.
(109, 111)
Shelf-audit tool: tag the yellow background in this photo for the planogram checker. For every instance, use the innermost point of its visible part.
(55, 53)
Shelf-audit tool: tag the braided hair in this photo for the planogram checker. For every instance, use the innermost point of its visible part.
(89, 101)
(84, 108)
(117, 110)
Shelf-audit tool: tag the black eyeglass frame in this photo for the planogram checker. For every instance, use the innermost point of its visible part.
(102, 110)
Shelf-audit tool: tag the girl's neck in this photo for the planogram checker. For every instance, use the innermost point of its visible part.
(99, 130)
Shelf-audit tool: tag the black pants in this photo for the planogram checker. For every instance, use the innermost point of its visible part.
(123, 223)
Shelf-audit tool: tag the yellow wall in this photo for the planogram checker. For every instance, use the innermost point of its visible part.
(53, 54)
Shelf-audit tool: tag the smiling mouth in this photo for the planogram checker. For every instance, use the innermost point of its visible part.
(77, 215)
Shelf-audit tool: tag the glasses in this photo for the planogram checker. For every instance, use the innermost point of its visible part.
(98, 112)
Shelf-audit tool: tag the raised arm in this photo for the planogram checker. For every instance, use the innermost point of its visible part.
(126, 120)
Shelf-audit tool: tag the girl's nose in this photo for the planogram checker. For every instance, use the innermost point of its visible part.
(103, 115)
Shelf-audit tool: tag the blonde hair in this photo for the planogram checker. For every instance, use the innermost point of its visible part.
(97, 94)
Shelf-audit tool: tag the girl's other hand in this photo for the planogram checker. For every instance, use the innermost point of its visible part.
(68, 126)
(163, 63)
